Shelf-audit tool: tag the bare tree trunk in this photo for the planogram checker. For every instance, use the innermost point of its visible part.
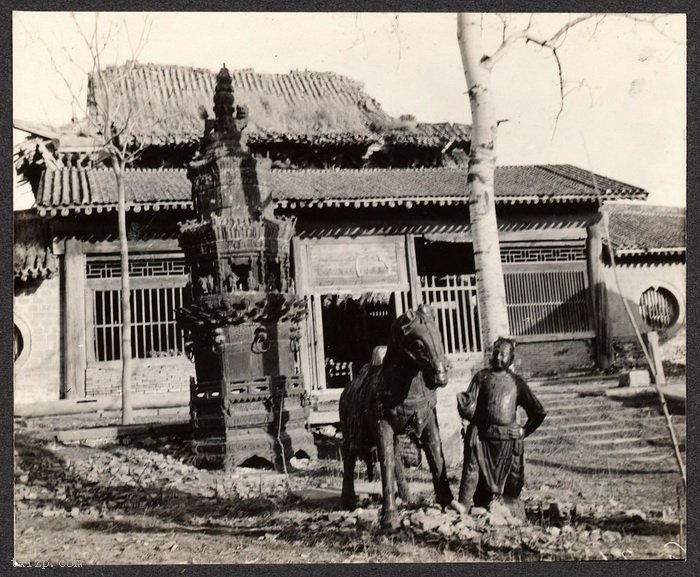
(127, 414)
(482, 167)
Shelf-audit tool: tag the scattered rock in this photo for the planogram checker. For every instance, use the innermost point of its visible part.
(368, 515)
(326, 431)
(636, 515)
(616, 553)
(445, 530)
(611, 536)
(499, 515)
(426, 521)
(299, 463)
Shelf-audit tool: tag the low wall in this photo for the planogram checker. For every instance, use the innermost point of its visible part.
(158, 375)
(38, 371)
(552, 358)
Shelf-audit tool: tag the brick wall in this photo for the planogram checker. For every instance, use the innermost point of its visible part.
(149, 376)
(38, 371)
(550, 358)
(634, 280)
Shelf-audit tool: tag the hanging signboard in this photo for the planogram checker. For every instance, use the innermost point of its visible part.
(353, 265)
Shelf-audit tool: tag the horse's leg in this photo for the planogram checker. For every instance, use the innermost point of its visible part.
(348, 499)
(385, 449)
(401, 483)
(430, 439)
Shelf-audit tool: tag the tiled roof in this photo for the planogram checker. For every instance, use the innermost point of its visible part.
(513, 184)
(95, 189)
(70, 189)
(643, 229)
(33, 259)
(301, 106)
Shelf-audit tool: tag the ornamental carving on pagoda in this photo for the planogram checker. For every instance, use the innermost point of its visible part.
(242, 321)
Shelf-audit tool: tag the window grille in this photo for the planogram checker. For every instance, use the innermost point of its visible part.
(154, 331)
(515, 255)
(157, 290)
(659, 308)
(546, 302)
(453, 299)
(97, 269)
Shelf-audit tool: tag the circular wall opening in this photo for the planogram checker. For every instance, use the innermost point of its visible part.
(659, 308)
(17, 342)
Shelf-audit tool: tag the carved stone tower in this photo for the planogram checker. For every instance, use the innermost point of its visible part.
(243, 321)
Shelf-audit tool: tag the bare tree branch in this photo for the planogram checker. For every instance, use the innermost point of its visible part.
(653, 21)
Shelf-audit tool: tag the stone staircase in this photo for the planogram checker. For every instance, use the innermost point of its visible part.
(587, 429)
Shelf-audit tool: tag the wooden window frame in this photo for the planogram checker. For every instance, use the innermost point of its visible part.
(136, 283)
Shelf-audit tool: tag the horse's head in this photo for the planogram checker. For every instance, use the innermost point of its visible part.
(418, 337)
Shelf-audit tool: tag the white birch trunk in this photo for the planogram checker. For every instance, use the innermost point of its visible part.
(482, 165)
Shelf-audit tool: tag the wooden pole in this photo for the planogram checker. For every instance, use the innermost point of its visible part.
(653, 339)
(413, 280)
(74, 295)
(597, 293)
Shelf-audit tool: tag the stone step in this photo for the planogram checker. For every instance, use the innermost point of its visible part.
(615, 442)
(567, 434)
(553, 389)
(584, 425)
(665, 440)
(586, 412)
(656, 423)
(652, 458)
(577, 406)
(631, 451)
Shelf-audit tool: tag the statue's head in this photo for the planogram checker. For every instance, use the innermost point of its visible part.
(503, 354)
(417, 334)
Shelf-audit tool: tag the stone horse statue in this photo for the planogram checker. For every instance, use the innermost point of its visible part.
(397, 397)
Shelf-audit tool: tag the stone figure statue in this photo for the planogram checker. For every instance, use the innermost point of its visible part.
(493, 443)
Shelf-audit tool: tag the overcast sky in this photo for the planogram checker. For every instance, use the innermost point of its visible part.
(630, 113)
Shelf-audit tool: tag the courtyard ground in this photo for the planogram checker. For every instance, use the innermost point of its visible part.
(144, 503)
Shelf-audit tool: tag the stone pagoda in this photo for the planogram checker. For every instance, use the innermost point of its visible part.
(242, 321)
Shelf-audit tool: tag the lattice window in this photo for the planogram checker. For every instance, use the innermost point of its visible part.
(525, 254)
(137, 268)
(659, 308)
(546, 302)
(154, 331)
(157, 287)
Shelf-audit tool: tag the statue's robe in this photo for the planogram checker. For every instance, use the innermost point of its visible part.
(490, 404)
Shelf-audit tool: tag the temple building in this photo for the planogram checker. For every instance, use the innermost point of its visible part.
(382, 224)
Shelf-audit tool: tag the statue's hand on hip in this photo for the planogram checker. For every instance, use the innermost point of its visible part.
(515, 431)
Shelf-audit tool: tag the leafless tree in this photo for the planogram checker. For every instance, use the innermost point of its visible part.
(478, 65)
(110, 118)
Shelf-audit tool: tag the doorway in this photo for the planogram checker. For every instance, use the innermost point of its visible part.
(352, 327)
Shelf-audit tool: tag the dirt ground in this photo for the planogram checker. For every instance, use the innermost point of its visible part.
(144, 504)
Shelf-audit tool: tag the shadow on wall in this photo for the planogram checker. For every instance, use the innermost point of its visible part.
(666, 316)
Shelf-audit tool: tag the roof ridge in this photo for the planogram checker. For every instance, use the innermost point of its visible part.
(106, 169)
(625, 207)
(551, 168)
(233, 70)
(373, 169)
